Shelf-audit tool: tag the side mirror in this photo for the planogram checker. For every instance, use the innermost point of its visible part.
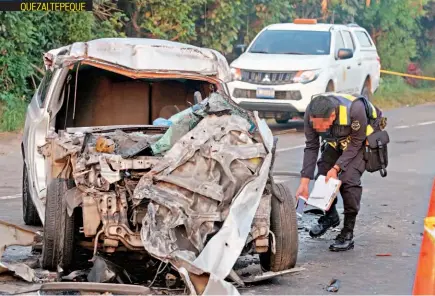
(344, 54)
(240, 48)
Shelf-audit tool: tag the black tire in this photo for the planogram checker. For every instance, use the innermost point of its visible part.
(58, 239)
(330, 87)
(366, 91)
(282, 121)
(283, 224)
(30, 214)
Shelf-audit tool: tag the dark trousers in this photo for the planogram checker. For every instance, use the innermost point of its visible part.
(351, 189)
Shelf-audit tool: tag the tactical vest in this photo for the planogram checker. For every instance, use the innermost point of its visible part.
(339, 135)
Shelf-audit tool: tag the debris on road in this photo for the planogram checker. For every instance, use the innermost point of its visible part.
(383, 255)
(76, 276)
(13, 235)
(188, 195)
(389, 226)
(20, 270)
(287, 131)
(88, 288)
(404, 254)
(334, 286)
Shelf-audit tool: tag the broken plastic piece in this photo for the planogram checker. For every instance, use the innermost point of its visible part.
(162, 122)
(197, 97)
(105, 145)
(334, 286)
(77, 274)
(136, 149)
(20, 270)
(102, 271)
(383, 255)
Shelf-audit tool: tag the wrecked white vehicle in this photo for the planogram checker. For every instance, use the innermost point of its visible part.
(197, 193)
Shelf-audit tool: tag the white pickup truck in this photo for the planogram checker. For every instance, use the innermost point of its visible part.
(286, 64)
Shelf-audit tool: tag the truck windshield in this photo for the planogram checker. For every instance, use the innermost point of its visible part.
(292, 42)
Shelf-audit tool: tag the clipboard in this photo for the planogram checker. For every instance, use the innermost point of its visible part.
(323, 194)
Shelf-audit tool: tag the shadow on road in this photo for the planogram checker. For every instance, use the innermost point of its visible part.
(297, 125)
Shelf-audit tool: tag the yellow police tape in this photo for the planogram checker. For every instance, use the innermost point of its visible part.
(408, 75)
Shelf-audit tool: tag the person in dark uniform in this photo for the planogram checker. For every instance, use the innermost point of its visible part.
(341, 121)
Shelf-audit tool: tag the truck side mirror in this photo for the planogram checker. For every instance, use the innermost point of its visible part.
(240, 48)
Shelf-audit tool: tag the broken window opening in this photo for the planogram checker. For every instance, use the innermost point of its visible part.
(104, 98)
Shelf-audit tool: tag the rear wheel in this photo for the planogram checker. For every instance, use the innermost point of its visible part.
(283, 224)
(330, 87)
(366, 90)
(30, 214)
(58, 239)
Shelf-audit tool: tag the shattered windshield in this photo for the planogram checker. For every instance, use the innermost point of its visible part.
(292, 42)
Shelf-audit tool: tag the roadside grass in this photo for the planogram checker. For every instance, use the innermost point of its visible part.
(12, 117)
(394, 92)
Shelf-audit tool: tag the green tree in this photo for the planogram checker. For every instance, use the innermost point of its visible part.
(394, 27)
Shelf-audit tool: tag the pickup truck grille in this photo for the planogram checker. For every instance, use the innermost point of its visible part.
(279, 95)
(268, 78)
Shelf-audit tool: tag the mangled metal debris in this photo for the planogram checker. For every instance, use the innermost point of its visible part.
(194, 195)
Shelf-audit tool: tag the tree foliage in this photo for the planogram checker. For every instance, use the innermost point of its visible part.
(402, 30)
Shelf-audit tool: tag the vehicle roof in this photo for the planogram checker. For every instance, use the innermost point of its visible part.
(320, 27)
(143, 54)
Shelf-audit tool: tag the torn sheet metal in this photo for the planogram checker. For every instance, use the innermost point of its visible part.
(194, 206)
(270, 274)
(14, 235)
(221, 253)
(196, 181)
(186, 120)
(20, 270)
(142, 54)
(172, 201)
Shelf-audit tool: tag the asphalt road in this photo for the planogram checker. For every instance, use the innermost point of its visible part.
(390, 220)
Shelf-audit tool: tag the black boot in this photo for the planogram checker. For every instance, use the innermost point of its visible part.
(330, 220)
(344, 241)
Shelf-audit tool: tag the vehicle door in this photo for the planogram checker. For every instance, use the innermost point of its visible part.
(340, 74)
(368, 59)
(35, 132)
(354, 69)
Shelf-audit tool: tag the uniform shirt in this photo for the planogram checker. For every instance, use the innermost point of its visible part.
(358, 117)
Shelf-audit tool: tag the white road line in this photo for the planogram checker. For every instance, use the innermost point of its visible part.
(396, 127)
(413, 125)
(10, 196)
(426, 123)
(290, 148)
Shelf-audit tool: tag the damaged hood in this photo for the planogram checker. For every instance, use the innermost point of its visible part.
(143, 54)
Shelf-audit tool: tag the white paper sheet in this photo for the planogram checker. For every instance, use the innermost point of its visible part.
(323, 193)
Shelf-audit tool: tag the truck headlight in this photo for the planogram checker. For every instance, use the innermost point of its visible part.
(236, 74)
(306, 76)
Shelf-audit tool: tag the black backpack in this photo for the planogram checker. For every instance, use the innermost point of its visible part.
(375, 150)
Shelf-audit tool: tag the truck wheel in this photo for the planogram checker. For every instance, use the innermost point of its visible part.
(30, 214)
(330, 87)
(366, 91)
(58, 239)
(283, 224)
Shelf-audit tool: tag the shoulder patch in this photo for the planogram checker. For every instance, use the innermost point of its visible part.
(355, 125)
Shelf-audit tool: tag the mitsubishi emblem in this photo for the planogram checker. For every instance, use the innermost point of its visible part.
(266, 79)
